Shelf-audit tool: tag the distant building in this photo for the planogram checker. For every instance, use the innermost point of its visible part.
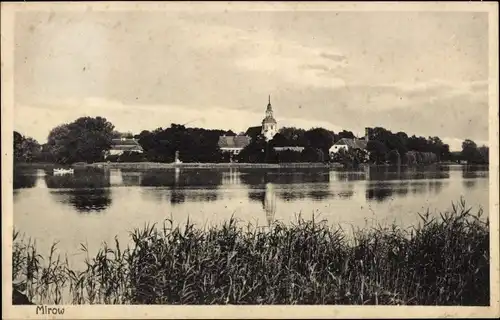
(233, 144)
(119, 146)
(297, 149)
(347, 144)
(268, 129)
(269, 124)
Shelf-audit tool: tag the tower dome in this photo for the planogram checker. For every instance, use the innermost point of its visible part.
(269, 124)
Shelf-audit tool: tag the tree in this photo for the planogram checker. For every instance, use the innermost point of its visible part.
(394, 157)
(484, 151)
(295, 137)
(469, 151)
(344, 134)
(193, 144)
(310, 154)
(320, 138)
(26, 149)
(350, 157)
(86, 139)
(18, 140)
(254, 152)
(377, 151)
(279, 140)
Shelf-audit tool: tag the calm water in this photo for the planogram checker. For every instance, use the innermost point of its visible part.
(94, 205)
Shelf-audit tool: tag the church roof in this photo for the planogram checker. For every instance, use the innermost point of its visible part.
(254, 131)
(234, 141)
(352, 143)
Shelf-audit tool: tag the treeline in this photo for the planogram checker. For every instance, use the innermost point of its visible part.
(383, 146)
(83, 140)
(193, 144)
(87, 139)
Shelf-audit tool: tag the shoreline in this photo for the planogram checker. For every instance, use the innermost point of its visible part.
(161, 165)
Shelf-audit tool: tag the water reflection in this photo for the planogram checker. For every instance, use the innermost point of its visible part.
(87, 190)
(270, 203)
(182, 185)
(85, 200)
(471, 174)
(90, 189)
(346, 192)
(383, 190)
(256, 177)
(210, 179)
(293, 184)
(267, 198)
(88, 178)
(24, 179)
(386, 173)
(319, 192)
(231, 177)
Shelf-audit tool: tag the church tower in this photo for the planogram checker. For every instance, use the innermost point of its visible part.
(269, 124)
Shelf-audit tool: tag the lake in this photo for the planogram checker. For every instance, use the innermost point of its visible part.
(95, 205)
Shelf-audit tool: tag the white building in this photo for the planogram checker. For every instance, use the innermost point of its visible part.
(347, 144)
(119, 146)
(233, 144)
(350, 144)
(269, 124)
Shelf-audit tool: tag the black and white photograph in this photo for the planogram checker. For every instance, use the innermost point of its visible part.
(246, 154)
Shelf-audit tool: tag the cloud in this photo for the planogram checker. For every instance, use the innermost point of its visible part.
(399, 71)
(387, 96)
(295, 64)
(264, 52)
(333, 56)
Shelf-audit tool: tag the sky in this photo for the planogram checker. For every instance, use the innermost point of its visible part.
(424, 73)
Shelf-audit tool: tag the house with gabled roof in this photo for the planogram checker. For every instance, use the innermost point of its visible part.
(351, 144)
(121, 145)
(233, 144)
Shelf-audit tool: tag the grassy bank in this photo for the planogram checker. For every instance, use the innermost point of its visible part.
(438, 262)
(158, 165)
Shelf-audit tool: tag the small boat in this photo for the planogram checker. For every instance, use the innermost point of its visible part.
(61, 171)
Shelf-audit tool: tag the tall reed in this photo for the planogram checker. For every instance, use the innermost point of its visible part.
(440, 261)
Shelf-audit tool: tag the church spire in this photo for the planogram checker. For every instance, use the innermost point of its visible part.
(269, 99)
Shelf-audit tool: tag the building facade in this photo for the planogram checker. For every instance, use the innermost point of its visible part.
(349, 144)
(233, 144)
(269, 124)
(268, 129)
(119, 146)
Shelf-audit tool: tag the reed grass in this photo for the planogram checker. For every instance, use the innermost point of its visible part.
(440, 261)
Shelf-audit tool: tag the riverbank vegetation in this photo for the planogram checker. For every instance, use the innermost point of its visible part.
(87, 139)
(443, 260)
